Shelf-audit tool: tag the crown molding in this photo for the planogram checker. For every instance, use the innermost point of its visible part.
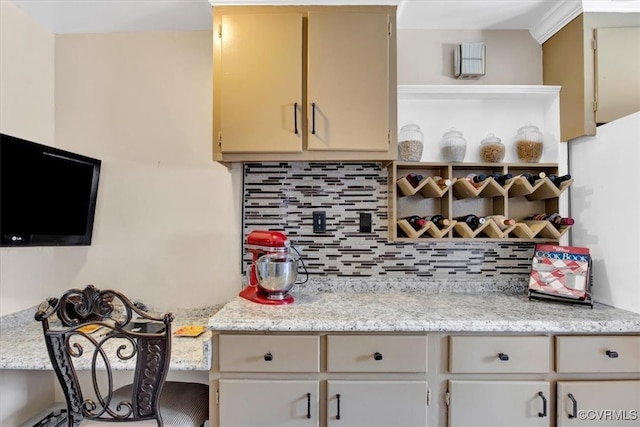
(555, 19)
(566, 10)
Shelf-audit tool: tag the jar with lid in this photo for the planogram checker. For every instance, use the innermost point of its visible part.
(491, 149)
(410, 143)
(529, 144)
(453, 146)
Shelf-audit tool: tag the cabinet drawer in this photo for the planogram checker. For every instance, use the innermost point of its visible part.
(491, 354)
(376, 353)
(598, 354)
(269, 353)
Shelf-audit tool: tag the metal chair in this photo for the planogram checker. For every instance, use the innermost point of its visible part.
(123, 342)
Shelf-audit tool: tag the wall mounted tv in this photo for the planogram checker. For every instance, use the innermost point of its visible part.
(47, 195)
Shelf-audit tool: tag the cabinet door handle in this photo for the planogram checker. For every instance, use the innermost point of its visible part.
(503, 356)
(544, 405)
(574, 408)
(313, 118)
(338, 414)
(295, 118)
(308, 405)
(268, 357)
(377, 356)
(612, 354)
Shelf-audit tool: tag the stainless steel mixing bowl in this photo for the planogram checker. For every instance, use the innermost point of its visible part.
(276, 274)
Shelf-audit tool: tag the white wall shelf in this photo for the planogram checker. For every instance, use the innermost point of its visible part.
(477, 110)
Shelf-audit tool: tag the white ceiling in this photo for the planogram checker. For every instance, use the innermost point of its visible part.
(91, 16)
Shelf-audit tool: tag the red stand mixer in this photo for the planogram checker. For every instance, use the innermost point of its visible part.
(273, 269)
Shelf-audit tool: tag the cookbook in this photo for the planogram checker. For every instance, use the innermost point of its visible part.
(560, 273)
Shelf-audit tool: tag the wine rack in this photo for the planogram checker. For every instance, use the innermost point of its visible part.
(517, 198)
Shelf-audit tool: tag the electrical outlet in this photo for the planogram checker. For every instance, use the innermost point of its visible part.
(365, 222)
(319, 222)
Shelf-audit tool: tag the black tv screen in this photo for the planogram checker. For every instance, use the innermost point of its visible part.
(47, 195)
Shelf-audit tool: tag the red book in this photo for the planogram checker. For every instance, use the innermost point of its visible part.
(560, 271)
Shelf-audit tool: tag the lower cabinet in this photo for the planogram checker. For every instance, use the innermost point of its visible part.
(262, 403)
(601, 403)
(499, 403)
(429, 379)
(376, 403)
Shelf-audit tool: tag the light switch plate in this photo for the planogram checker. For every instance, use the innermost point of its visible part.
(319, 222)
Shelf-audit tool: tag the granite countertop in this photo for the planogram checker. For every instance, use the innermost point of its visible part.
(22, 344)
(370, 307)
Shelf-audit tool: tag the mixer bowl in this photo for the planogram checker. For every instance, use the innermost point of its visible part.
(276, 274)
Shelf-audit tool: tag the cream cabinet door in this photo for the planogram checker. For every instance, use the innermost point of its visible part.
(499, 403)
(262, 403)
(376, 403)
(617, 73)
(598, 403)
(348, 81)
(260, 83)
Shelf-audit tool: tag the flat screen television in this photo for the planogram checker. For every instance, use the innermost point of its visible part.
(47, 195)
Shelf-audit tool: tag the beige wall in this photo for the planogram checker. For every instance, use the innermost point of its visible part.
(26, 76)
(26, 109)
(513, 57)
(167, 227)
(168, 217)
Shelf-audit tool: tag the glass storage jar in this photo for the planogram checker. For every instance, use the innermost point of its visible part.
(410, 143)
(453, 146)
(491, 149)
(529, 144)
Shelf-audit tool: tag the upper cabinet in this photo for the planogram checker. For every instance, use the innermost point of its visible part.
(594, 58)
(304, 83)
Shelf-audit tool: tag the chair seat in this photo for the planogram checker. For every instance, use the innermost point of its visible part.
(175, 397)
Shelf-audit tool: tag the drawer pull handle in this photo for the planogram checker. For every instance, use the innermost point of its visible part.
(503, 356)
(612, 354)
(268, 357)
(544, 405)
(574, 410)
(377, 355)
(308, 405)
(338, 414)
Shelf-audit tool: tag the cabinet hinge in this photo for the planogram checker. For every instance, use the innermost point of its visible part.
(219, 31)
(217, 397)
(594, 44)
(220, 139)
(428, 396)
(389, 27)
(389, 137)
(595, 106)
(447, 398)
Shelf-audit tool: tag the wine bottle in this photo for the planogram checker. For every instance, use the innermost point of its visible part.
(473, 221)
(440, 221)
(532, 178)
(554, 218)
(476, 179)
(441, 182)
(416, 222)
(502, 221)
(414, 179)
(501, 178)
(557, 180)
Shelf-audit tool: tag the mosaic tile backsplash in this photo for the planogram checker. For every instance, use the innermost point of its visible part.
(283, 197)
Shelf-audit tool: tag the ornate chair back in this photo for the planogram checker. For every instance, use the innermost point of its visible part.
(100, 331)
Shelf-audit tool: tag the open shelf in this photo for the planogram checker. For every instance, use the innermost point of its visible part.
(517, 199)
